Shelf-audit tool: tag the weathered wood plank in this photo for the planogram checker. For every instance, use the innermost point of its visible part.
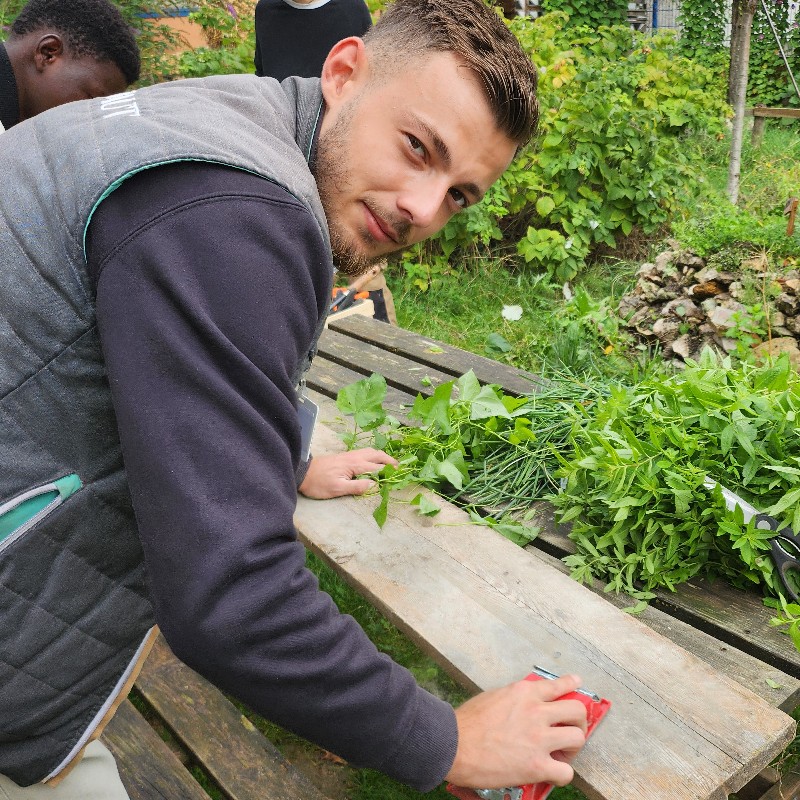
(490, 610)
(148, 768)
(328, 378)
(444, 357)
(400, 372)
(245, 764)
(786, 113)
(771, 684)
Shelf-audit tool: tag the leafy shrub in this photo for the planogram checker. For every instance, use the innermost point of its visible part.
(727, 226)
(235, 43)
(610, 156)
(590, 13)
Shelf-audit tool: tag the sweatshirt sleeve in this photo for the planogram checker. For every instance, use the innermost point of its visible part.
(210, 282)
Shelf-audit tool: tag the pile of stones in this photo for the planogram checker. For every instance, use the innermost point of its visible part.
(686, 304)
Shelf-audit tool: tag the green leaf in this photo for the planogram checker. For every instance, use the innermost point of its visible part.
(425, 505)
(787, 500)
(497, 342)
(772, 684)
(544, 205)
(364, 401)
(488, 404)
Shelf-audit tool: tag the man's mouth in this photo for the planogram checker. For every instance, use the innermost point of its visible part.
(379, 228)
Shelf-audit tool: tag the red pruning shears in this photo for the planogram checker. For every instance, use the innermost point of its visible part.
(785, 545)
(596, 709)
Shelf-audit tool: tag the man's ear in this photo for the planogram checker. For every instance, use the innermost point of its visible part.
(344, 71)
(49, 48)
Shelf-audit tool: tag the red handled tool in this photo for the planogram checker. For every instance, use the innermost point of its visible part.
(596, 709)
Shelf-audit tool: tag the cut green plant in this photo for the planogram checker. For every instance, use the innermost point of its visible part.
(474, 444)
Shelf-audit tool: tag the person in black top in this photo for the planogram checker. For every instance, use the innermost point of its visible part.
(293, 37)
(58, 52)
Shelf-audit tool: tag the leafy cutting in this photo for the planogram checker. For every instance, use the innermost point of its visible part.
(471, 443)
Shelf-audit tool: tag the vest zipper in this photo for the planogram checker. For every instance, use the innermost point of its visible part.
(21, 513)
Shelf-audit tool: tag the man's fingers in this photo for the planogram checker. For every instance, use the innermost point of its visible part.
(352, 486)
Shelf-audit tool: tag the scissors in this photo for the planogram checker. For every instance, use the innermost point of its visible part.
(785, 544)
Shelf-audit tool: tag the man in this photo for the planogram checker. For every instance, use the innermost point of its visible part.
(58, 52)
(167, 261)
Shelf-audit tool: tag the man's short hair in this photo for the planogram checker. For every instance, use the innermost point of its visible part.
(93, 28)
(478, 35)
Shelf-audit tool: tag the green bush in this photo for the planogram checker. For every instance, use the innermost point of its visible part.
(611, 155)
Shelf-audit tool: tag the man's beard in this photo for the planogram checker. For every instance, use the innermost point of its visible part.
(331, 175)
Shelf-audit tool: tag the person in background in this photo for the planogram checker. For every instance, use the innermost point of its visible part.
(60, 51)
(294, 37)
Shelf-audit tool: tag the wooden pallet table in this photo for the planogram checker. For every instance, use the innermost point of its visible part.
(699, 680)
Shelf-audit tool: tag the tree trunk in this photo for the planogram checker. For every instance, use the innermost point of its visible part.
(735, 48)
(747, 9)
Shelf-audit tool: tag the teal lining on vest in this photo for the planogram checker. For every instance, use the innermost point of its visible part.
(24, 511)
(119, 181)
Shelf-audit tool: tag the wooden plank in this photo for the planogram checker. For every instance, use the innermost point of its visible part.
(326, 379)
(788, 788)
(771, 684)
(678, 730)
(438, 355)
(245, 764)
(148, 768)
(786, 113)
(400, 372)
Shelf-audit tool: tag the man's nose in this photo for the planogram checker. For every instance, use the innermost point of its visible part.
(422, 203)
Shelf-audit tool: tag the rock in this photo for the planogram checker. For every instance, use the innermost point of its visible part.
(682, 346)
(628, 305)
(792, 286)
(779, 330)
(701, 291)
(722, 318)
(666, 329)
(777, 319)
(787, 304)
(793, 324)
(648, 271)
(683, 308)
(736, 290)
(686, 258)
(729, 345)
(664, 262)
(784, 344)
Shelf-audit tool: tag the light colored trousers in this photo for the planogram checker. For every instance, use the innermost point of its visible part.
(95, 778)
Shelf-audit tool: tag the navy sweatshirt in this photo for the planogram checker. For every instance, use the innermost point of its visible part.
(209, 280)
(296, 39)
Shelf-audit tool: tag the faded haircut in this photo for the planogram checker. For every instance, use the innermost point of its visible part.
(93, 28)
(480, 38)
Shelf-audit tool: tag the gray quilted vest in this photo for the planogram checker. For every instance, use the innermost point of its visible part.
(74, 607)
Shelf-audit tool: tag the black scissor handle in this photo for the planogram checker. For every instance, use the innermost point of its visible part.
(785, 552)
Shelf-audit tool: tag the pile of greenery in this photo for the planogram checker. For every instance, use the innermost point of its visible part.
(626, 465)
(642, 517)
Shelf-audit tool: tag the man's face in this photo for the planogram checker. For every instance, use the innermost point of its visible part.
(397, 157)
(68, 78)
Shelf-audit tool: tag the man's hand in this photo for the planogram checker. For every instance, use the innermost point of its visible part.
(519, 734)
(337, 475)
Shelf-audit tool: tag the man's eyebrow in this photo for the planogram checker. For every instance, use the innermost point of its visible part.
(444, 154)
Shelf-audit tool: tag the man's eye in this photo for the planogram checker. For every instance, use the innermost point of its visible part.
(459, 198)
(416, 145)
